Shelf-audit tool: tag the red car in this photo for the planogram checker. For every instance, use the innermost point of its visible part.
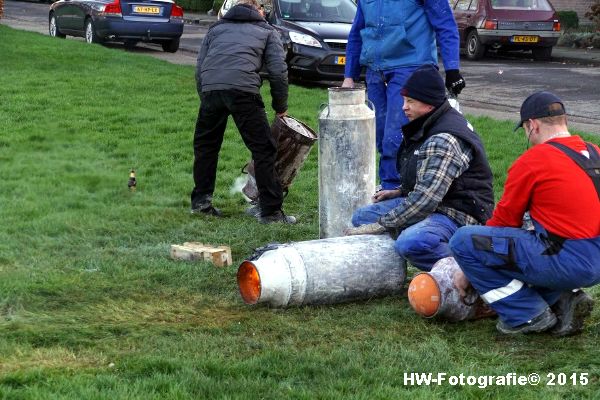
(506, 24)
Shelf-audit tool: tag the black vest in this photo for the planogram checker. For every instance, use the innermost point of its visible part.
(472, 192)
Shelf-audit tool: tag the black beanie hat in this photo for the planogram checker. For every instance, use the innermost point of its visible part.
(426, 85)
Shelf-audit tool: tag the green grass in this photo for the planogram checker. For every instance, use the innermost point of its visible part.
(92, 307)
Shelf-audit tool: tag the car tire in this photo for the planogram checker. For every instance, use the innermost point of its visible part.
(53, 28)
(542, 53)
(90, 32)
(171, 46)
(475, 49)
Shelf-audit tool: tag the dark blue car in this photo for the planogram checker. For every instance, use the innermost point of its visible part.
(127, 21)
(314, 34)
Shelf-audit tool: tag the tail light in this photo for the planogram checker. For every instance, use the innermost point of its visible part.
(489, 24)
(176, 12)
(556, 26)
(112, 9)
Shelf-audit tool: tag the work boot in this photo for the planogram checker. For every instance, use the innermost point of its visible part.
(253, 210)
(204, 206)
(542, 322)
(571, 309)
(277, 216)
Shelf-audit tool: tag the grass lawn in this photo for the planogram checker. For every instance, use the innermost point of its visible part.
(92, 307)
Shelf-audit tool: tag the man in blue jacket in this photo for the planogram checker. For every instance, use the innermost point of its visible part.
(392, 39)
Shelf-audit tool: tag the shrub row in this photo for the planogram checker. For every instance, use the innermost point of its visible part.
(200, 5)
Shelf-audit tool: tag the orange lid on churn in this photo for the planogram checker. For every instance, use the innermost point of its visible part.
(424, 295)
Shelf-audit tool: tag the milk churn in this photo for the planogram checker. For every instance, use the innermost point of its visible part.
(324, 271)
(433, 294)
(347, 170)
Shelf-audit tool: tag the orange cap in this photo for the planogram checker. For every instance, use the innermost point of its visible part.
(424, 295)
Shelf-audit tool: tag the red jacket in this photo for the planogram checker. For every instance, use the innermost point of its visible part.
(556, 191)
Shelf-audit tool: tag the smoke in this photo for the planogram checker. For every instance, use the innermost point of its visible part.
(238, 185)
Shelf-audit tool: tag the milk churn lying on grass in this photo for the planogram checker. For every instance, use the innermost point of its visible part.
(346, 159)
(294, 141)
(433, 294)
(325, 271)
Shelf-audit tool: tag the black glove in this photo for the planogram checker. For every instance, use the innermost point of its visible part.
(454, 81)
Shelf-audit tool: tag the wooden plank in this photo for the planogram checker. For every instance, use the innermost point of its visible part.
(194, 251)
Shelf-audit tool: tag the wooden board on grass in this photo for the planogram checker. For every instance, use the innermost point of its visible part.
(196, 251)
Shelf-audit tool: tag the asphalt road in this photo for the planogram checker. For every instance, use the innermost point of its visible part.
(495, 86)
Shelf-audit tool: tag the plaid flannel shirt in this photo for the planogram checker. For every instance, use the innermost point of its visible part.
(441, 159)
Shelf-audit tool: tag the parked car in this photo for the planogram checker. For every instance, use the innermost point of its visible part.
(128, 21)
(314, 34)
(506, 25)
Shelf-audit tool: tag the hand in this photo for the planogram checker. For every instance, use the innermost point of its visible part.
(461, 282)
(385, 195)
(454, 81)
(348, 83)
(283, 114)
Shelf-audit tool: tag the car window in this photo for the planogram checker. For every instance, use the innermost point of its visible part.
(318, 10)
(540, 5)
(463, 5)
(473, 6)
(452, 3)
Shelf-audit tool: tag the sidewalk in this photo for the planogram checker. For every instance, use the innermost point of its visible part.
(585, 56)
(199, 19)
(559, 54)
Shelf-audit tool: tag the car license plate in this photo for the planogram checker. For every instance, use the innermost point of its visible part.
(146, 10)
(340, 60)
(525, 39)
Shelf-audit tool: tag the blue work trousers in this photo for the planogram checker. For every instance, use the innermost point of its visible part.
(519, 273)
(423, 243)
(383, 89)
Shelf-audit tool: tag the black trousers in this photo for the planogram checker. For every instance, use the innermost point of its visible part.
(248, 112)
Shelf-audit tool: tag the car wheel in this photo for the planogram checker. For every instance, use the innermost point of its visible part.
(542, 53)
(171, 46)
(53, 28)
(475, 49)
(90, 32)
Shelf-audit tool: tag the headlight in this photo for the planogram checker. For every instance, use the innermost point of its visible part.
(306, 40)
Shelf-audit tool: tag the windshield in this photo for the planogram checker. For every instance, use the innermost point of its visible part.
(318, 10)
(539, 5)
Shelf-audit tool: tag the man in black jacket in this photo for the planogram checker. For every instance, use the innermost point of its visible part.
(228, 82)
(446, 177)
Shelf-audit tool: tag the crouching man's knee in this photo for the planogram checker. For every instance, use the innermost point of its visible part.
(460, 242)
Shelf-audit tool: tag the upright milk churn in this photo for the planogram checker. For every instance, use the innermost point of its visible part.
(347, 169)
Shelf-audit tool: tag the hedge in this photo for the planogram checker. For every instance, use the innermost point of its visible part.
(199, 5)
(568, 19)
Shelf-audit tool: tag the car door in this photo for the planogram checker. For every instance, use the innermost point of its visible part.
(464, 14)
(67, 16)
(80, 10)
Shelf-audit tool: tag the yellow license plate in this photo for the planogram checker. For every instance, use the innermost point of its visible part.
(146, 10)
(525, 39)
(340, 60)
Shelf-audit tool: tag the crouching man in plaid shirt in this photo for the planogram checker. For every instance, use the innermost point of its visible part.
(446, 178)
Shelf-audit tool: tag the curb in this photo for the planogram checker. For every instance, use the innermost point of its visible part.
(197, 21)
(589, 59)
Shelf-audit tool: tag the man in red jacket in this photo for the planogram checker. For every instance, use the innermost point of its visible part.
(532, 278)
